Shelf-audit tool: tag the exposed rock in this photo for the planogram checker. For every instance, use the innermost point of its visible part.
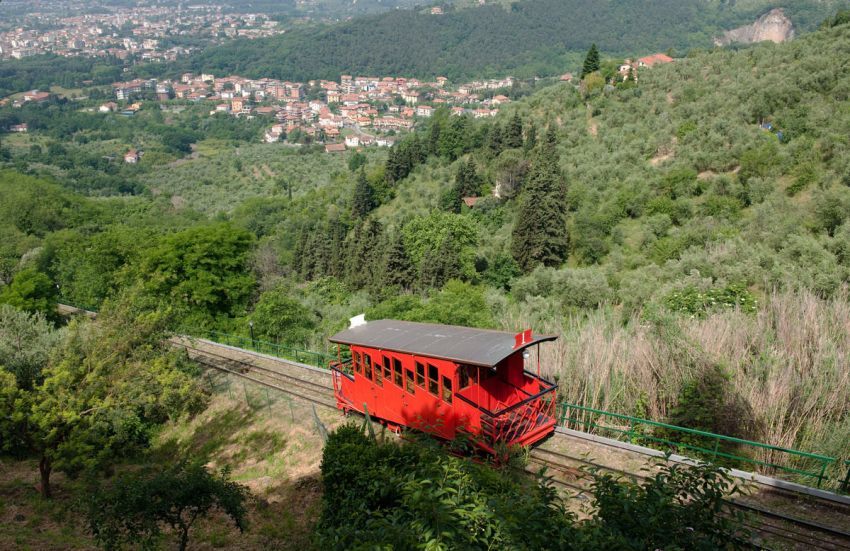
(774, 26)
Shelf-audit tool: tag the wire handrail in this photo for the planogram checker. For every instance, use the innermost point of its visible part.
(709, 446)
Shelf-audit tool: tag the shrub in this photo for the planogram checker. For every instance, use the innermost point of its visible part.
(280, 318)
(136, 506)
(697, 303)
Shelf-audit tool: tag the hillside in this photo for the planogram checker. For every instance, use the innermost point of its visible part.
(532, 37)
(686, 235)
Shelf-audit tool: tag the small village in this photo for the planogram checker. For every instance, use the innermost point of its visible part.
(353, 112)
(144, 33)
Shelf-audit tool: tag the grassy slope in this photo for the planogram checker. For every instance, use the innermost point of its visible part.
(270, 445)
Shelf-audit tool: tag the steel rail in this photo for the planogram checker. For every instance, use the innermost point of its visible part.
(216, 365)
(252, 366)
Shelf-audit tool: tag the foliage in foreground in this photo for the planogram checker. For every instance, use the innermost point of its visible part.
(96, 396)
(415, 496)
(134, 508)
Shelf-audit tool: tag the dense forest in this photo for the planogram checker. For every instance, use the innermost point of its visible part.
(528, 38)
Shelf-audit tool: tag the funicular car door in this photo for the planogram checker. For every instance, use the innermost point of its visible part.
(376, 385)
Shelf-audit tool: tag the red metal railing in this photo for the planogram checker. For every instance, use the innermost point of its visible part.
(518, 423)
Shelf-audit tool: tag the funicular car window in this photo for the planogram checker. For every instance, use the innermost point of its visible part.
(447, 390)
(466, 376)
(355, 359)
(433, 380)
(411, 388)
(379, 380)
(367, 366)
(397, 372)
(420, 375)
(388, 372)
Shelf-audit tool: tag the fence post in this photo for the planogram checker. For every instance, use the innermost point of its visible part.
(822, 472)
(631, 430)
(845, 486)
(716, 447)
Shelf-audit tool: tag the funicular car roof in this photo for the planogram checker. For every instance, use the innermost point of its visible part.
(466, 345)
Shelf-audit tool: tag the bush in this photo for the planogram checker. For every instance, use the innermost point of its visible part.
(696, 303)
(381, 495)
(282, 319)
(134, 508)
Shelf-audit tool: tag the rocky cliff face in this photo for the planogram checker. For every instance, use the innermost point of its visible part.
(774, 26)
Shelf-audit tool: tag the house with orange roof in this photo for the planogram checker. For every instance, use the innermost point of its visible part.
(654, 59)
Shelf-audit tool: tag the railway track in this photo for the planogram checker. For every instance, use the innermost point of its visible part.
(313, 385)
(305, 388)
(776, 530)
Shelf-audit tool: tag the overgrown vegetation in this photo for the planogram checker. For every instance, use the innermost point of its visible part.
(415, 495)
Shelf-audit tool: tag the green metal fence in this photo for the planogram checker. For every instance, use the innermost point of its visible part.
(796, 465)
(319, 359)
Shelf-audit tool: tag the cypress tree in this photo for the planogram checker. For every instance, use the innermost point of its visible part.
(321, 254)
(540, 232)
(591, 61)
(363, 200)
(467, 184)
(433, 143)
(299, 252)
(531, 137)
(398, 268)
(440, 264)
(494, 140)
(336, 235)
(364, 254)
(513, 133)
(392, 169)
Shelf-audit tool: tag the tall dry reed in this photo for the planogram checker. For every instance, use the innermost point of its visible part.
(789, 363)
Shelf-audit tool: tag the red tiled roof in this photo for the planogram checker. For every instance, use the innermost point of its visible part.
(654, 59)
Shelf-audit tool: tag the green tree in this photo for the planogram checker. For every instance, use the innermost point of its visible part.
(440, 264)
(530, 137)
(280, 318)
(467, 184)
(513, 132)
(363, 201)
(540, 232)
(356, 161)
(133, 509)
(425, 235)
(203, 272)
(364, 254)
(457, 303)
(398, 271)
(105, 389)
(591, 61)
(26, 341)
(495, 140)
(31, 291)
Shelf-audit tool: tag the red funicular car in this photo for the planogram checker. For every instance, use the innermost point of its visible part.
(445, 380)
